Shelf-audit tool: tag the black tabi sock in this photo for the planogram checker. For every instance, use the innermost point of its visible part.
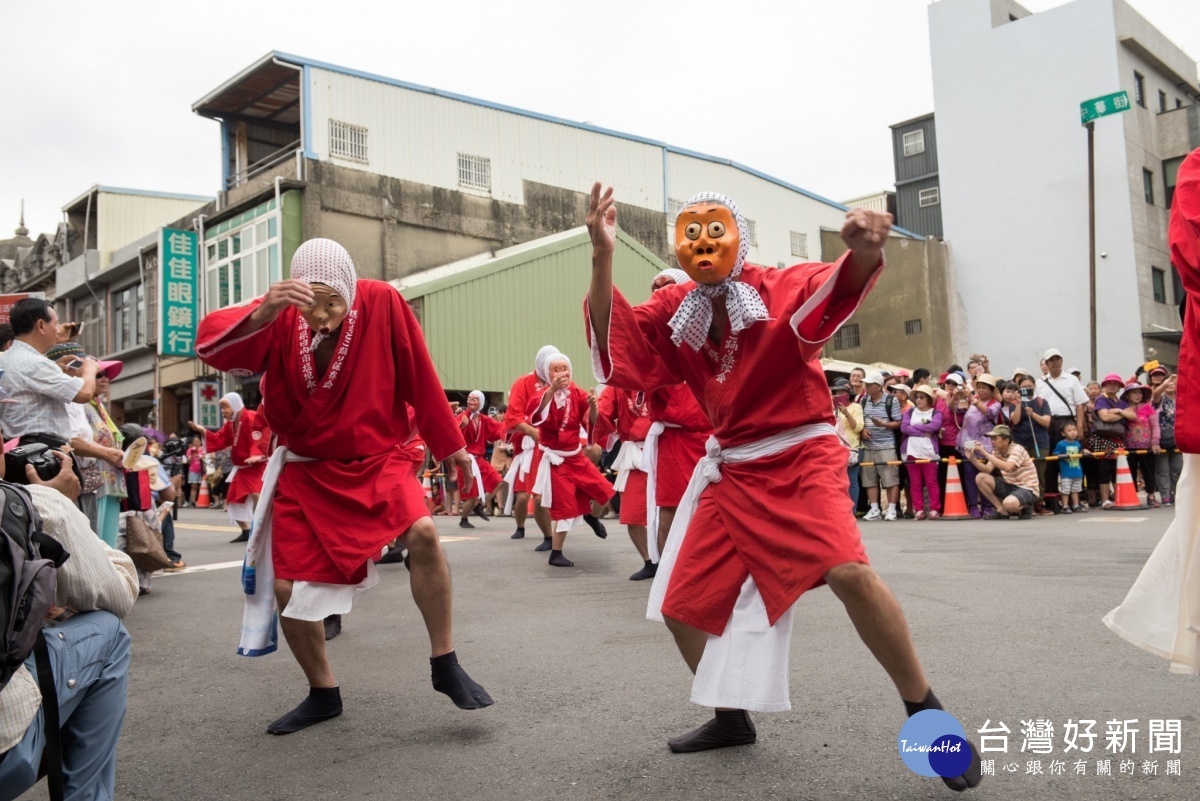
(547, 544)
(974, 773)
(321, 704)
(451, 679)
(727, 728)
(596, 525)
(558, 560)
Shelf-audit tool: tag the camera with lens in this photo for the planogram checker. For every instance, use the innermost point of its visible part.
(173, 447)
(1026, 393)
(36, 454)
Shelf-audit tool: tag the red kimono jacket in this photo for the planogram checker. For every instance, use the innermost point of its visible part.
(248, 435)
(333, 514)
(576, 480)
(783, 519)
(620, 414)
(478, 433)
(1184, 236)
(681, 444)
(523, 390)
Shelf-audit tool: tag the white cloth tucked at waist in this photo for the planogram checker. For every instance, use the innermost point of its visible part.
(518, 470)
(542, 484)
(746, 667)
(629, 458)
(650, 468)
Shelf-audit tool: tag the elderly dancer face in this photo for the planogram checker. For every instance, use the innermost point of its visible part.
(343, 361)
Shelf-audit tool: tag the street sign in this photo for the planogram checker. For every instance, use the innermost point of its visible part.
(206, 400)
(179, 279)
(1103, 106)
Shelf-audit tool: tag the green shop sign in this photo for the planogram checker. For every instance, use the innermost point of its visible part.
(179, 281)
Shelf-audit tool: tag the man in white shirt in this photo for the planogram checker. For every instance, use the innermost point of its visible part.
(40, 388)
(1068, 403)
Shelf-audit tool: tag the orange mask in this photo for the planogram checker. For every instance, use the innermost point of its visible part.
(707, 242)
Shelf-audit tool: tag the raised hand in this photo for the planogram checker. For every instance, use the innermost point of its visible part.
(602, 219)
(866, 230)
(283, 294)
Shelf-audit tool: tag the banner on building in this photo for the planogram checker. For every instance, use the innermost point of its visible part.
(206, 403)
(8, 301)
(179, 282)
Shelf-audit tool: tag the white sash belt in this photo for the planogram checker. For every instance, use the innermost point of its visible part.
(747, 666)
(310, 600)
(518, 470)
(650, 467)
(542, 484)
(629, 458)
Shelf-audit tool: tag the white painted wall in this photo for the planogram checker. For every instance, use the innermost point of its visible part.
(417, 136)
(1013, 171)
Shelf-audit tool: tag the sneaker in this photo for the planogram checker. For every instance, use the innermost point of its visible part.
(1026, 514)
(1081, 509)
(1167, 501)
(919, 516)
(1107, 505)
(909, 515)
(177, 564)
(890, 516)
(975, 513)
(1153, 503)
(874, 514)
(935, 514)
(1066, 510)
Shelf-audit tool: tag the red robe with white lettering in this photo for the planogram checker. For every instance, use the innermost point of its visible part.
(478, 432)
(620, 415)
(523, 390)
(681, 444)
(247, 436)
(575, 481)
(783, 518)
(333, 514)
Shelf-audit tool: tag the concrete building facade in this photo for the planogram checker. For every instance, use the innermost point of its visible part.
(1012, 158)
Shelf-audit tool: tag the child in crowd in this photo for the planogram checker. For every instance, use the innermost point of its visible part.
(1070, 468)
(919, 450)
(1142, 438)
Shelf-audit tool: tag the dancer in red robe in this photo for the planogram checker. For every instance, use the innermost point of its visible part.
(768, 520)
(342, 359)
(247, 435)
(478, 430)
(526, 456)
(567, 481)
(622, 414)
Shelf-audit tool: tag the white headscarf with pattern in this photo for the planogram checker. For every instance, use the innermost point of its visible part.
(743, 304)
(323, 261)
(676, 275)
(541, 364)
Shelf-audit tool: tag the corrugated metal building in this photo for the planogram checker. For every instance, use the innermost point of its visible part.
(918, 191)
(486, 317)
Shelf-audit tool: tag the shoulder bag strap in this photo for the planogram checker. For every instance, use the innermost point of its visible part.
(51, 767)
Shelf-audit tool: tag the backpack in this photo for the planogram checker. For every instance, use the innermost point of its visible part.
(29, 561)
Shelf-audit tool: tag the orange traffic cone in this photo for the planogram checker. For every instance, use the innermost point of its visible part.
(203, 501)
(428, 493)
(954, 505)
(1127, 494)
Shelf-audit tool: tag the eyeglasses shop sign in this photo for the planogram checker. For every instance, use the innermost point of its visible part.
(178, 280)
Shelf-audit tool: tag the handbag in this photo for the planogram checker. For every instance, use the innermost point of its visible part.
(1108, 429)
(144, 545)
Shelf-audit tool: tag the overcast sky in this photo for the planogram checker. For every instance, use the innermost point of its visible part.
(101, 93)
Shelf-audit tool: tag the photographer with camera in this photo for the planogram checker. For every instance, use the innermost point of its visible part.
(38, 388)
(1029, 418)
(77, 712)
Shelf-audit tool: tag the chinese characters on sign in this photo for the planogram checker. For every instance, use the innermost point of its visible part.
(206, 399)
(8, 301)
(1123, 748)
(179, 276)
(1103, 106)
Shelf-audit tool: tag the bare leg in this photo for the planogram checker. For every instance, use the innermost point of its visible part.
(690, 642)
(468, 506)
(873, 494)
(521, 508)
(638, 535)
(880, 623)
(558, 538)
(666, 516)
(431, 584)
(306, 638)
(542, 515)
(730, 726)
(987, 486)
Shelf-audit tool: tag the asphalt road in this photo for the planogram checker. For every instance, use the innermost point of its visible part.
(1006, 616)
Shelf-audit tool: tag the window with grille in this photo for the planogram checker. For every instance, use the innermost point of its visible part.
(912, 327)
(929, 197)
(1159, 279)
(673, 208)
(752, 232)
(1139, 89)
(914, 143)
(846, 337)
(474, 172)
(799, 244)
(347, 141)
(1148, 185)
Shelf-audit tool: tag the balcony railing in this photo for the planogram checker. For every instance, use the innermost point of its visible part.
(262, 165)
